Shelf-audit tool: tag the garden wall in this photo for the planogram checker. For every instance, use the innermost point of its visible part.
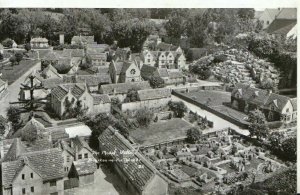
(209, 109)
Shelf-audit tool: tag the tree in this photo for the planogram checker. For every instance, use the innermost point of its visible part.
(144, 117)
(258, 125)
(132, 95)
(27, 47)
(2, 129)
(7, 43)
(268, 84)
(14, 116)
(193, 135)
(176, 24)
(156, 82)
(13, 60)
(289, 147)
(97, 124)
(19, 57)
(179, 108)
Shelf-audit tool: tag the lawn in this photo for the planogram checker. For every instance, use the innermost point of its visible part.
(191, 171)
(11, 74)
(209, 97)
(161, 131)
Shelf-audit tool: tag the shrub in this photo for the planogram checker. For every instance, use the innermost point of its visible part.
(144, 117)
(193, 135)
(7, 43)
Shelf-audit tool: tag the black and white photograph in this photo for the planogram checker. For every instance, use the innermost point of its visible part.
(148, 101)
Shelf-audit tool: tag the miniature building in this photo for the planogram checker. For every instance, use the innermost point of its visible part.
(39, 172)
(82, 40)
(275, 107)
(39, 43)
(120, 90)
(124, 71)
(170, 76)
(83, 170)
(137, 173)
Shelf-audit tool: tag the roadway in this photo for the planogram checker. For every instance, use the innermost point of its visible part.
(14, 89)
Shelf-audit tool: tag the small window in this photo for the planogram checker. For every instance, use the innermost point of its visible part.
(52, 183)
(23, 176)
(68, 158)
(86, 155)
(287, 110)
(170, 61)
(23, 191)
(149, 60)
(268, 22)
(79, 156)
(31, 175)
(32, 189)
(162, 61)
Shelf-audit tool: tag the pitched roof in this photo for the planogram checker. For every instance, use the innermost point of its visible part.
(174, 73)
(294, 103)
(278, 100)
(50, 68)
(272, 13)
(51, 56)
(2, 82)
(65, 146)
(74, 52)
(137, 169)
(16, 149)
(51, 82)
(83, 39)
(90, 80)
(150, 94)
(39, 40)
(38, 144)
(85, 166)
(166, 47)
(163, 72)
(287, 13)
(46, 163)
(147, 71)
(122, 88)
(77, 89)
(261, 97)
(80, 143)
(32, 125)
(98, 98)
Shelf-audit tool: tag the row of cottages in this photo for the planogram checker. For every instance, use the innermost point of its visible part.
(275, 107)
(135, 171)
(39, 43)
(93, 82)
(74, 92)
(82, 40)
(124, 71)
(164, 59)
(169, 76)
(120, 90)
(153, 99)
